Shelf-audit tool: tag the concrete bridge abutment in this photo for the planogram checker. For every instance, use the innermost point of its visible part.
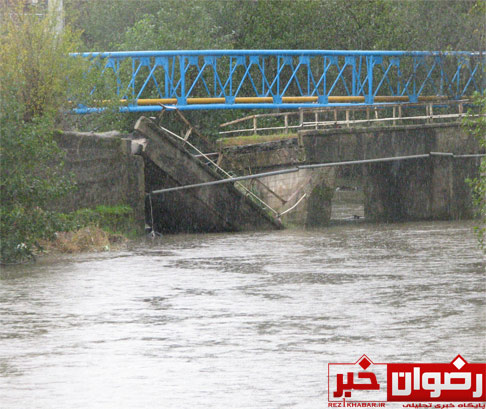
(426, 188)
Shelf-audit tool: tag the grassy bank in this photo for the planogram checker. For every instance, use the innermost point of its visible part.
(97, 229)
(86, 239)
(253, 139)
(102, 228)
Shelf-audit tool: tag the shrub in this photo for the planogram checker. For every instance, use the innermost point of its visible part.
(113, 219)
(476, 125)
(37, 80)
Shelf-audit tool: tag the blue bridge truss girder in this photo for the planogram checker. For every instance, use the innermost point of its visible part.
(232, 79)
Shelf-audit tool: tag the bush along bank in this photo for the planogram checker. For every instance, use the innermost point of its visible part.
(39, 82)
(98, 229)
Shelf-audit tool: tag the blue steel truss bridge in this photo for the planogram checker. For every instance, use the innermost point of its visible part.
(257, 79)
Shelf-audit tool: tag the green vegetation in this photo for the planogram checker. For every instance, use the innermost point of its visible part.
(251, 139)
(273, 24)
(90, 230)
(38, 78)
(476, 125)
(112, 219)
(33, 91)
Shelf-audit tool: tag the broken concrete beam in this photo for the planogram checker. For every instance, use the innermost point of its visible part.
(213, 208)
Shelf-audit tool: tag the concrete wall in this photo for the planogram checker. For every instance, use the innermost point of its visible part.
(420, 189)
(345, 144)
(105, 172)
(283, 191)
(313, 210)
(263, 156)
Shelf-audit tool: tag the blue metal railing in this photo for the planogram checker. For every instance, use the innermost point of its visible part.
(229, 79)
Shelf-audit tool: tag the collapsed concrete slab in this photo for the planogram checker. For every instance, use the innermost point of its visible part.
(203, 209)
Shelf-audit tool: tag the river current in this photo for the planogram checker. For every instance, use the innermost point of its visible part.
(246, 320)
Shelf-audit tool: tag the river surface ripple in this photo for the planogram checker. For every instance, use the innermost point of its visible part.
(237, 320)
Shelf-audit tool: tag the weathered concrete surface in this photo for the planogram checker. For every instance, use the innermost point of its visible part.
(316, 184)
(105, 172)
(346, 144)
(431, 188)
(262, 156)
(319, 203)
(414, 189)
(284, 191)
(213, 208)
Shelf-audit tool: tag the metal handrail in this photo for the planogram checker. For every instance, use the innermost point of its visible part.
(430, 116)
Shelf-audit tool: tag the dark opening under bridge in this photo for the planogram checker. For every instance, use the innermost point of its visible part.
(248, 79)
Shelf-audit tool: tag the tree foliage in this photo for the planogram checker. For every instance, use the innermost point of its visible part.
(34, 62)
(177, 25)
(38, 79)
(33, 90)
(286, 24)
(476, 125)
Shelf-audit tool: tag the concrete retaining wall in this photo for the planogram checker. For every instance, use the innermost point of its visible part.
(105, 172)
(346, 144)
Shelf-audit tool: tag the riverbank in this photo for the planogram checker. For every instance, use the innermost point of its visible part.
(86, 239)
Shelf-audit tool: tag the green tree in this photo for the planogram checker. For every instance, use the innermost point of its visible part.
(177, 25)
(32, 88)
(306, 24)
(476, 125)
(103, 22)
(438, 25)
(38, 79)
(253, 24)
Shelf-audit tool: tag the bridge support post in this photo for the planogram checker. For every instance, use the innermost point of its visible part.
(319, 205)
(369, 95)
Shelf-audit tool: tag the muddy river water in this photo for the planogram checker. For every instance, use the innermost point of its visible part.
(245, 320)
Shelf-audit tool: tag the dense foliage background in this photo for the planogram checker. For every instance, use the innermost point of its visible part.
(312, 24)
